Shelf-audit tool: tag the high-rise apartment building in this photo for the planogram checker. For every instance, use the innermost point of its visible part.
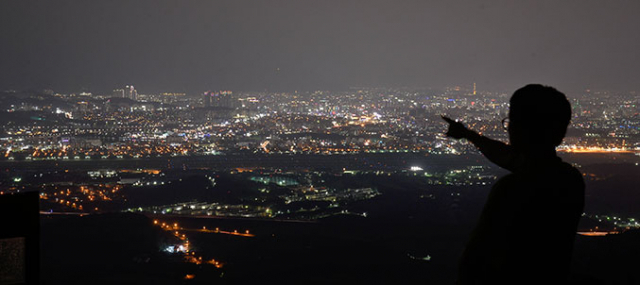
(131, 93)
(119, 93)
(218, 99)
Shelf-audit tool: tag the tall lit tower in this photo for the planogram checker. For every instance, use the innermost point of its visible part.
(474, 88)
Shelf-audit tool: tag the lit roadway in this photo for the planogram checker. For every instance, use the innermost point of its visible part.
(218, 231)
(166, 216)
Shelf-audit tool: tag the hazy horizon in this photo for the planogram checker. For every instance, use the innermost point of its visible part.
(165, 46)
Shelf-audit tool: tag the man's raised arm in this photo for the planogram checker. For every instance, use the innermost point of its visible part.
(497, 152)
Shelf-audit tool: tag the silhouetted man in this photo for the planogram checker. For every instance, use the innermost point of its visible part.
(526, 230)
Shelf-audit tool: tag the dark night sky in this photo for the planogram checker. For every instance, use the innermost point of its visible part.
(192, 46)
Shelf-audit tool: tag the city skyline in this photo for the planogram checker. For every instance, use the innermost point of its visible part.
(218, 171)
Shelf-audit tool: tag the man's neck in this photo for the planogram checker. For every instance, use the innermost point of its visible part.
(534, 158)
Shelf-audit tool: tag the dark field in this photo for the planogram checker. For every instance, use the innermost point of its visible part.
(386, 247)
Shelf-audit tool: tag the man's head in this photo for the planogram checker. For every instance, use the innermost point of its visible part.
(538, 117)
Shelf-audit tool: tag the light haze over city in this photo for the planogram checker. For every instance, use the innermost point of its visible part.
(168, 46)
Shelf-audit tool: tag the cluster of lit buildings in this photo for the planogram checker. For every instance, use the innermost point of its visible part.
(127, 124)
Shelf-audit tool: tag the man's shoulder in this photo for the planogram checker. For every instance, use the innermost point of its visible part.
(570, 171)
(552, 177)
(556, 169)
(568, 178)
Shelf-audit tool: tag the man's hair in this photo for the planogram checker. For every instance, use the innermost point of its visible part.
(544, 111)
